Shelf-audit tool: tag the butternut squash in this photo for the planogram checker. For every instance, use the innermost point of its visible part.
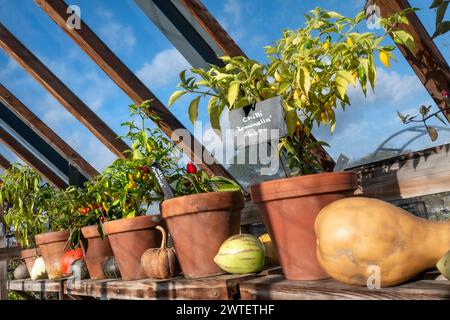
(355, 234)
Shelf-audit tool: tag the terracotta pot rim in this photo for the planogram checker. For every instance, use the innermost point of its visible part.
(30, 253)
(50, 237)
(90, 231)
(130, 224)
(306, 185)
(202, 202)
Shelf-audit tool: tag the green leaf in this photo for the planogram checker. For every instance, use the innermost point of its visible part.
(304, 79)
(291, 119)
(360, 16)
(436, 3)
(214, 113)
(347, 75)
(372, 73)
(283, 87)
(440, 119)
(332, 15)
(341, 86)
(175, 96)
(233, 92)
(135, 145)
(255, 67)
(202, 83)
(193, 109)
(405, 38)
(432, 132)
(444, 27)
(440, 13)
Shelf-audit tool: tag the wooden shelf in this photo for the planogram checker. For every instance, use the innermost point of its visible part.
(218, 288)
(46, 285)
(276, 287)
(269, 284)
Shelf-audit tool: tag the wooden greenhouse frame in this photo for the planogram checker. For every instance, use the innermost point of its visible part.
(201, 39)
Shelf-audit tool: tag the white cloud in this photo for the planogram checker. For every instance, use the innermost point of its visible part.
(234, 10)
(163, 69)
(118, 37)
(93, 150)
(231, 19)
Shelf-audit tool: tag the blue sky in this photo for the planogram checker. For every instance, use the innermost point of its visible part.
(145, 50)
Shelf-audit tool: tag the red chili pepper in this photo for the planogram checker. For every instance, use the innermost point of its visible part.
(102, 218)
(444, 94)
(191, 168)
(145, 169)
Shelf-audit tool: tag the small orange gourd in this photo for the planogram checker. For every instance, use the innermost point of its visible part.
(160, 263)
(355, 234)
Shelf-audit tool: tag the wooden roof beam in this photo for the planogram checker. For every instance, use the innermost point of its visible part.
(94, 47)
(41, 129)
(61, 92)
(31, 159)
(429, 64)
(4, 163)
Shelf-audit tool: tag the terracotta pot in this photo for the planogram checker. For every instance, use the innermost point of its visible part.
(289, 208)
(30, 256)
(130, 238)
(96, 251)
(199, 224)
(52, 246)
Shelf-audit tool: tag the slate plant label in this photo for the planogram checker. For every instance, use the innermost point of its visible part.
(162, 181)
(253, 124)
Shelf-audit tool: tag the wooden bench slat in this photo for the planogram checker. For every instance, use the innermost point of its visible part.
(277, 287)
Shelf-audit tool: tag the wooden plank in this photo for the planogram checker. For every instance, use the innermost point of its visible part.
(10, 253)
(218, 288)
(31, 159)
(44, 131)
(4, 163)
(276, 287)
(128, 82)
(46, 285)
(429, 64)
(410, 175)
(61, 92)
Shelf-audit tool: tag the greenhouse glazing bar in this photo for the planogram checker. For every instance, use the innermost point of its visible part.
(46, 133)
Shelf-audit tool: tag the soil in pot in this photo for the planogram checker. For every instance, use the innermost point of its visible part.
(129, 239)
(29, 256)
(52, 246)
(96, 251)
(199, 224)
(289, 208)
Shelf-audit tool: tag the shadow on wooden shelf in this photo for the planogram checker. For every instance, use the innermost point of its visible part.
(276, 287)
(224, 287)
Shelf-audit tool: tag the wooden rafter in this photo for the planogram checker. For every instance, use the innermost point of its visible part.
(94, 47)
(61, 92)
(45, 132)
(31, 159)
(4, 163)
(429, 64)
(213, 28)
